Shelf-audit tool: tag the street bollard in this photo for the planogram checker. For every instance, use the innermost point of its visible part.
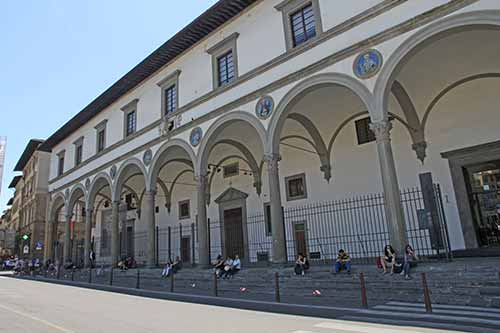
(427, 297)
(216, 291)
(90, 275)
(58, 272)
(172, 283)
(138, 280)
(111, 277)
(364, 299)
(277, 287)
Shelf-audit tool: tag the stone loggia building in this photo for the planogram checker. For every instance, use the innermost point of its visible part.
(268, 128)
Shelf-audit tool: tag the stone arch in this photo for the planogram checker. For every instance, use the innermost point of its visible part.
(209, 139)
(57, 202)
(122, 175)
(418, 41)
(100, 181)
(300, 90)
(77, 192)
(158, 161)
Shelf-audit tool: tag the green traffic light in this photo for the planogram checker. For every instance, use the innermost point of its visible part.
(25, 237)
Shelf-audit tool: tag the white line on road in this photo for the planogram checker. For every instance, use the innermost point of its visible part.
(45, 322)
(372, 328)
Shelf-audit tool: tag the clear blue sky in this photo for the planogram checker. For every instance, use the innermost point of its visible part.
(56, 56)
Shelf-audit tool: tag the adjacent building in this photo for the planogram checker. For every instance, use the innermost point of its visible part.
(272, 128)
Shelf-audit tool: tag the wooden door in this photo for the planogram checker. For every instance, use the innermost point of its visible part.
(299, 230)
(186, 249)
(233, 232)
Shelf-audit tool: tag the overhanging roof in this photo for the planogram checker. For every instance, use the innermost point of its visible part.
(14, 181)
(28, 151)
(201, 27)
(10, 202)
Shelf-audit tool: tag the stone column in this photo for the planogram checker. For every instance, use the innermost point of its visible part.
(67, 239)
(115, 233)
(393, 207)
(88, 235)
(203, 246)
(278, 228)
(49, 240)
(148, 213)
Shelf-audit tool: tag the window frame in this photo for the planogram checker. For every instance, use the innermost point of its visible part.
(78, 145)
(290, 7)
(171, 80)
(101, 127)
(230, 175)
(221, 49)
(268, 219)
(301, 176)
(188, 216)
(368, 135)
(60, 166)
(128, 109)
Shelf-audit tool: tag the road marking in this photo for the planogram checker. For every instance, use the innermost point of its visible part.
(372, 328)
(26, 315)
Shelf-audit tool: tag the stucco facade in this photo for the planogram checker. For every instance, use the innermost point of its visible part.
(425, 93)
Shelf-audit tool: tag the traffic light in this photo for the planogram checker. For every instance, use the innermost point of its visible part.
(25, 237)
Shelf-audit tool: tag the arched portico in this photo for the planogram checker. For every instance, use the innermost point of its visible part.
(131, 178)
(56, 207)
(447, 99)
(99, 195)
(237, 139)
(311, 120)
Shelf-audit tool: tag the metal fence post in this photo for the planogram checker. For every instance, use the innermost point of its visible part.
(277, 287)
(58, 272)
(364, 299)
(193, 244)
(157, 247)
(138, 280)
(73, 274)
(169, 244)
(90, 275)
(216, 291)
(427, 297)
(209, 241)
(111, 277)
(172, 282)
(180, 241)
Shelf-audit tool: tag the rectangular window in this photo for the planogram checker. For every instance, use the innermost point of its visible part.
(267, 217)
(78, 155)
(101, 140)
(184, 212)
(170, 99)
(231, 170)
(303, 25)
(131, 123)
(296, 187)
(225, 68)
(363, 131)
(60, 166)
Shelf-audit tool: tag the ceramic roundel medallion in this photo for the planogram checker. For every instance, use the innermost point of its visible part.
(195, 137)
(264, 107)
(147, 157)
(368, 64)
(87, 183)
(112, 172)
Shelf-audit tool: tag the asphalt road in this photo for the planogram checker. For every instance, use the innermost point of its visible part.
(28, 306)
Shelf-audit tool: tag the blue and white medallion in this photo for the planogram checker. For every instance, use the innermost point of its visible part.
(195, 137)
(368, 64)
(264, 107)
(147, 157)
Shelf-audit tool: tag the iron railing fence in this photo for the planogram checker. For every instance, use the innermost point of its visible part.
(358, 225)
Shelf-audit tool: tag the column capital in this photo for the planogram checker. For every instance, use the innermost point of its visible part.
(150, 192)
(272, 158)
(382, 130)
(200, 179)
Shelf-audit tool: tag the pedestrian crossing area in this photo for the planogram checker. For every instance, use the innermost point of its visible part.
(448, 317)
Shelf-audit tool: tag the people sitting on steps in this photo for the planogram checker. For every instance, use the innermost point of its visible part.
(219, 265)
(343, 262)
(410, 259)
(389, 258)
(167, 269)
(301, 265)
(231, 267)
